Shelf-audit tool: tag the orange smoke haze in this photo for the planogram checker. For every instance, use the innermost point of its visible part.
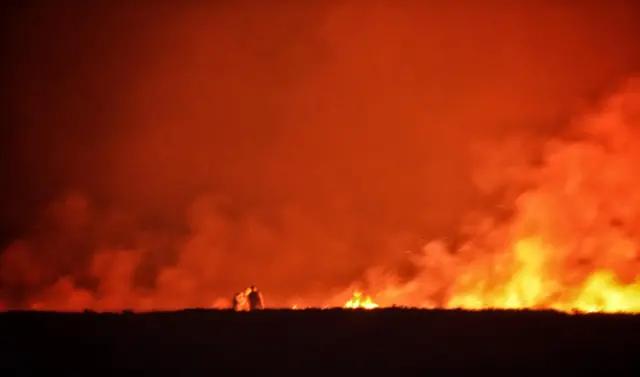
(434, 156)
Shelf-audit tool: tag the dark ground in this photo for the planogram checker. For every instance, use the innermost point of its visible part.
(213, 343)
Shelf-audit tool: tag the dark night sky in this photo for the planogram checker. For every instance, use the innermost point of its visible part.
(340, 128)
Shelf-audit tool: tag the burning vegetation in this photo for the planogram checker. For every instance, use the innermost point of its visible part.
(320, 153)
(360, 302)
(571, 245)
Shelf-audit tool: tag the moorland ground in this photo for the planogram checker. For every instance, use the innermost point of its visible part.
(313, 342)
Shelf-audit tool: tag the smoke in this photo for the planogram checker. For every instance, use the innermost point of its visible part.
(571, 240)
(301, 149)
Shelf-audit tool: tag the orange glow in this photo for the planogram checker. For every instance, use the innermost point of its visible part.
(352, 153)
(531, 285)
(360, 302)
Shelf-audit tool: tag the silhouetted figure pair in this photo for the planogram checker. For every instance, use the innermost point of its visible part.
(249, 300)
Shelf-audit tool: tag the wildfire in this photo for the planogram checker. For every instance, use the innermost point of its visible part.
(358, 301)
(571, 241)
(533, 284)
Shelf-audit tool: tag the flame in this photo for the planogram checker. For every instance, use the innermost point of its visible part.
(571, 243)
(358, 301)
(532, 285)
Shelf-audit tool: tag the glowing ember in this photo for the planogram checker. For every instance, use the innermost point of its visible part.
(360, 302)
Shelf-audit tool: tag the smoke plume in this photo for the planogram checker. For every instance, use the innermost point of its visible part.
(162, 157)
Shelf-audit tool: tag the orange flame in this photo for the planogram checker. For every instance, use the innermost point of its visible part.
(571, 243)
(358, 301)
(533, 285)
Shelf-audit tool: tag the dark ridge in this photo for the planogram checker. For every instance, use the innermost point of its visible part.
(314, 341)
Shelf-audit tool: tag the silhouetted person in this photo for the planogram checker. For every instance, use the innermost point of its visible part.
(255, 299)
(240, 302)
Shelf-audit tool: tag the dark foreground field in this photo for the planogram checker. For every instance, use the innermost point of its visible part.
(220, 343)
